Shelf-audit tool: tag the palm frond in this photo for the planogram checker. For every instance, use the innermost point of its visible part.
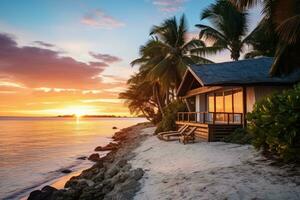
(289, 30)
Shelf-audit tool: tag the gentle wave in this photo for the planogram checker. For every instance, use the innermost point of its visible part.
(33, 151)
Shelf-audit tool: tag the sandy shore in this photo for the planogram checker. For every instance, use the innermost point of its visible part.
(210, 171)
(144, 167)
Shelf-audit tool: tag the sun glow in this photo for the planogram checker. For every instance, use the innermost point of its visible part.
(78, 111)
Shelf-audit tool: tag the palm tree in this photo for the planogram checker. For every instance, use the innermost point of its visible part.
(285, 16)
(138, 97)
(165, 57)
(263, 40)
(228, 30)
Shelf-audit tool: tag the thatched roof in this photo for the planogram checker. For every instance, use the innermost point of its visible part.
(243, 72)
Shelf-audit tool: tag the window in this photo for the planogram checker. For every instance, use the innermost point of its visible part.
(219, 102)
(238, 101)
(211, 102)
(228, 101)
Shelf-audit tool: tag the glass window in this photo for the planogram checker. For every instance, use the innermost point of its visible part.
(238, 101)
(228, 101)
(211, 103)
(219, 102)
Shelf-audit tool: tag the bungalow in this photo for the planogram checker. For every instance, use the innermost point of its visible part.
(219, 95)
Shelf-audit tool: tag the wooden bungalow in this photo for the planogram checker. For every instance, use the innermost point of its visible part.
(219, 95)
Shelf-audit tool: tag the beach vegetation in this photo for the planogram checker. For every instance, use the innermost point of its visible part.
(239, 136)
(168, 122)
(275, 124)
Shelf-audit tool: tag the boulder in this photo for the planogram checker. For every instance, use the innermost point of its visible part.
(137, 174)
(122, 163)
(114, 127)
(112, 171)
(81, 158)
(109, 147)
(44, 194)
(66, 171)
(94, 157)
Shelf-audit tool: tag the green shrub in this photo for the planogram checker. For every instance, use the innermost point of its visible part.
(168, 122)
(275, 124)
(239, 136)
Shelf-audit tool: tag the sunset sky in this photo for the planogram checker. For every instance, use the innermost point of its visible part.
(65, 56)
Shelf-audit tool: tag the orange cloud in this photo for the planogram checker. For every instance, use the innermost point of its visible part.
(40, 81)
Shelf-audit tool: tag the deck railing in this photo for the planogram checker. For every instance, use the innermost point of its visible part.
(211, 117)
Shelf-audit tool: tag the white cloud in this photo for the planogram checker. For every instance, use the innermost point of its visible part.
(99, 19)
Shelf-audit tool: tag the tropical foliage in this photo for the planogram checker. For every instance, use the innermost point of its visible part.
(284, 16)
(228, 28)
(275, 124)
(163, 60)
(168, 122)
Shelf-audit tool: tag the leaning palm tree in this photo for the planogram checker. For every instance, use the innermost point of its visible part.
(285, 16)
(228, 28)
(165, 57)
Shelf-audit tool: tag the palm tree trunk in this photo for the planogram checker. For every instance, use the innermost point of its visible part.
(146, 115)
(156, 95)
(167, 97)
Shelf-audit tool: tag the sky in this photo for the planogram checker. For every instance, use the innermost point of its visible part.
(62, 57)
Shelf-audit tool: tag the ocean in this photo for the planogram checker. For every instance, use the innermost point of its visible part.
(34, 151)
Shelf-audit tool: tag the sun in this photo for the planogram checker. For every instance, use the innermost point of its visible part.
(78, 111)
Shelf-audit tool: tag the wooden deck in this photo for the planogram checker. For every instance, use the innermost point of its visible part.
(210, 132)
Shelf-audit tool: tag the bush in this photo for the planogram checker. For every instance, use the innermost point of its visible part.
(168, 122)
(275, 124)
(239, 136)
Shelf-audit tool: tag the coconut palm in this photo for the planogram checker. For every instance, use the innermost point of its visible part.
(165, 57)
(227, 30)
(138, 97)
(285, 16)
(262, 39)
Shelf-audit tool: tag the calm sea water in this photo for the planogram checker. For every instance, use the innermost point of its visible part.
(33, 151)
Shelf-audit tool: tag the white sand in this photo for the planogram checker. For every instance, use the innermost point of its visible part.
(209, 171)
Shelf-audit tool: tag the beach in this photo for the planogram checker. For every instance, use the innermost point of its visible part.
(144, 167)
(215, 170)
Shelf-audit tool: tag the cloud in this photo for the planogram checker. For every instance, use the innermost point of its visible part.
(105, 57)
(99, 19)
(98, 64)
(102, 101)
(44, 44)
(36, 67)
(169, 5)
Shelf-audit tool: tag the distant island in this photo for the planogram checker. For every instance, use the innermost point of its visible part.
(98, 116)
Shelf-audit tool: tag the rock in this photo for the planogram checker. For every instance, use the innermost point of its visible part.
(99, 148)
(66, 171)
(108, 186)
(81, 158)
(119, 178)
(122, 163)
(137, 174)
(44, 194)
(94, 157)
(114, 127)
(109, 147)
(99, 177)
(112, 171)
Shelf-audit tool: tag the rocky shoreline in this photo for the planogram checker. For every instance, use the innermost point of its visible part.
(111, 177)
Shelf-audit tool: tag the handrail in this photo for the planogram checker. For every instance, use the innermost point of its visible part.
(211, 117)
